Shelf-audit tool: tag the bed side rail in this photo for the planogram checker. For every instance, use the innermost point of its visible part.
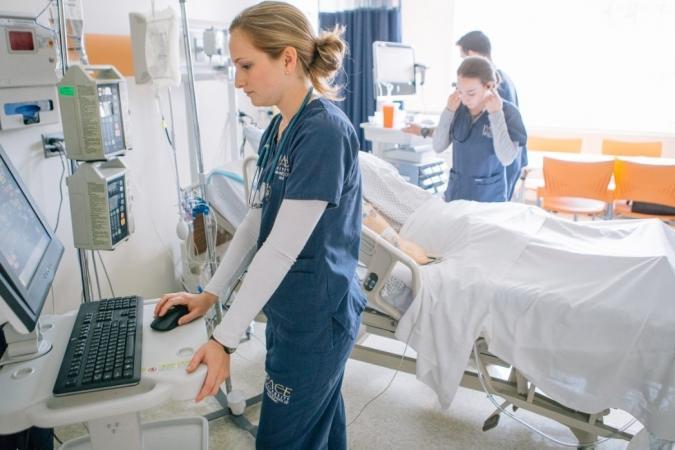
(379, 256)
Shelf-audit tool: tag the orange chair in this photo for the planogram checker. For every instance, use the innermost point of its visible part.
(628, 148)
(546, 144)
(576, 187)
(650, 183)
(531, 180)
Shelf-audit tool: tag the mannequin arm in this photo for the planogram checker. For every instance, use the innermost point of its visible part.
(374, 220)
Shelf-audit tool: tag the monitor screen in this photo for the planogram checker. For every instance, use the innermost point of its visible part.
(394, 68)
(110, 110)
(23, 238)
(29, 251)
(21, 40)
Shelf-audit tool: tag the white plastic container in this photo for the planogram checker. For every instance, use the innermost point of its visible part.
(182, 433)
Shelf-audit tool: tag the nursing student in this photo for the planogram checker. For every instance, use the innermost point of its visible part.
(476, 43)
(486, 134)
(304, 223)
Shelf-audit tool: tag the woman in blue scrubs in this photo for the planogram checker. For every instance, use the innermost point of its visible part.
(476, 43)
(485, 131)
(303, 225)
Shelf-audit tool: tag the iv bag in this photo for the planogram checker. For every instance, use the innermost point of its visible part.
(155, 45)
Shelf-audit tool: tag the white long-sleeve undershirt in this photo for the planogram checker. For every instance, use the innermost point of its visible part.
(239, 252)
(505, 149)
(441, 136)
(292, 228)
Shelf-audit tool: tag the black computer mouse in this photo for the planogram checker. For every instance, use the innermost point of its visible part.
(169, 321)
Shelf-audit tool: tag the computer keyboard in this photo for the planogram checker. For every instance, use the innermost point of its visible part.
(104, 350)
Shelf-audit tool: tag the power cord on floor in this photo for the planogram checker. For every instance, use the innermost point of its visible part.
(398, 369)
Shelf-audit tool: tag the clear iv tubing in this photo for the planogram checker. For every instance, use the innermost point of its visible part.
(481, 378)
(171, 138)
(224, 173)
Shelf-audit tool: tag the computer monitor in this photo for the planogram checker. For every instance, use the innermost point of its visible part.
(29, 252)
(393, 69)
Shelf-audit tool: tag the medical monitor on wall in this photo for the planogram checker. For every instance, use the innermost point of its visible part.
(393, 69)
(29, 252)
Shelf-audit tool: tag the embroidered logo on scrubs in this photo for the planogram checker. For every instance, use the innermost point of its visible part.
(276, 392)
(487, 131)
(283, 168)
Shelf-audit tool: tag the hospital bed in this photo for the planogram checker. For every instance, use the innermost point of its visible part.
(225, 196)
(380, 259)
(485, 371)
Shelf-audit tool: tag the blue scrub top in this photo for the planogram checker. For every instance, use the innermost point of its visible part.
(506, 88)
(507, 91)
(319, 162)
(477, 174)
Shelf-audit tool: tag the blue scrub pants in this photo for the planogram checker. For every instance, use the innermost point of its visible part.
(513, 172)
(302, 406)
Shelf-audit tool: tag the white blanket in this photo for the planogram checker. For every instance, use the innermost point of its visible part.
(585, 310)
(226, 194)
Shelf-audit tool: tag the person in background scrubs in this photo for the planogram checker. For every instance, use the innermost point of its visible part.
(304, 225)
(476, 43)
(486, 134)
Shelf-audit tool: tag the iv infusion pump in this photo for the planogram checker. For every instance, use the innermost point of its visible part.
(95, 113)
(100, 205)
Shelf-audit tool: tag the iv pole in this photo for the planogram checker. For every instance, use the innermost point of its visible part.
(240, 420)
(192, 100)
(72, 167)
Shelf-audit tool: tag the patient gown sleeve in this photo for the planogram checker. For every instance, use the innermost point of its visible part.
(441, 137)
(241, 247)
(292, 228)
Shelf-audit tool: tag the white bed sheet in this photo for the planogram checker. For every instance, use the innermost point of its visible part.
(225, 194)
(585, 311)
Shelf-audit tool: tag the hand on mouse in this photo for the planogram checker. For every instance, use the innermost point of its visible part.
(218, 367)
(197, 304)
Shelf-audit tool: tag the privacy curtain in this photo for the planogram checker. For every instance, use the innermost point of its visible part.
(365, 22)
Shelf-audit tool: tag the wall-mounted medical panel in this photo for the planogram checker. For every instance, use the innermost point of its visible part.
(28, 54)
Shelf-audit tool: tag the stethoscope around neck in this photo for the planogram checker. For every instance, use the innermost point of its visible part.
(268, 160)
(466, 121)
